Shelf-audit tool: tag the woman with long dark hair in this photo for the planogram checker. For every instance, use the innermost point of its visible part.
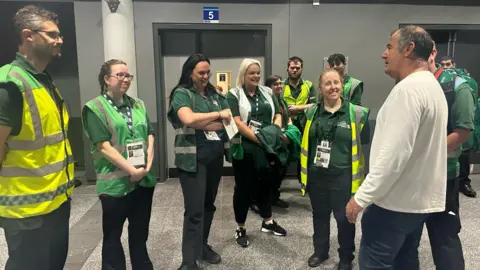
(196, 113)
(123, 143)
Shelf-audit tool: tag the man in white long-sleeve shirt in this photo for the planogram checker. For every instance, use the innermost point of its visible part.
(407, 177)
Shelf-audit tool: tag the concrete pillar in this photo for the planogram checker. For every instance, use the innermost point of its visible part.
(119, 36)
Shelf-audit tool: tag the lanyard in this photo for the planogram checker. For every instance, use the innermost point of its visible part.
(127, 117)
(330, 133)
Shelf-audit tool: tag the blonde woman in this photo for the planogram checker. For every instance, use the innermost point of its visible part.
(254, 108)
(334, 166)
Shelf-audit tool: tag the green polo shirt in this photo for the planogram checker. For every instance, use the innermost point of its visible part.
(212, 102)
(261, 112)
(11, 100)
(463, 115)
(357, 94)
(95, 128)
(322, 127)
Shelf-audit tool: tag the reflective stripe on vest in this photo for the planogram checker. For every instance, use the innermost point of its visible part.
(18, 200)
(40, 140)
(302, 98)
(37, 186)
(114, 141)
(358, 161)
(355, 83)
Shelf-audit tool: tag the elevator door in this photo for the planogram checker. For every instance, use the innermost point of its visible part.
(225, 48)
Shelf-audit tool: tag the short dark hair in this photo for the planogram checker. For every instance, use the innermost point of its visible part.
(336, 58)
(30, 17)
(422, 39)
(271, 80)
(448, 58)
(295, 59)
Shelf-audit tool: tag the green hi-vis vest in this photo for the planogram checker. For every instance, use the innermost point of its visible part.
(110, 179)
(358, 118)
(349, 88)
(302, 98)
(185, 146)
(34, 174)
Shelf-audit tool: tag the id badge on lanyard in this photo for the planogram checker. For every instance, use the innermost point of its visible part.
(136, 154)
(322, 155)
(255, 126)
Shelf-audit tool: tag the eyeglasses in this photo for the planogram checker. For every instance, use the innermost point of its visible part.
(123, 76)
(51, 34)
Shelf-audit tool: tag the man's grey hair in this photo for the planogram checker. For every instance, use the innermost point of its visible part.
(417, 35)
(31, 17)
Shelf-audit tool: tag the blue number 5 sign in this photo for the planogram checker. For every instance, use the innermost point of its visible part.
(210, 15)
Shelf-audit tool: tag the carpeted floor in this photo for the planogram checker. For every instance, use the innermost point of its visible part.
(265, 251)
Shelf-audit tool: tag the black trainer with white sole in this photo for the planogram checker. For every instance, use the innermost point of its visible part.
(273, 228)
(241, 237)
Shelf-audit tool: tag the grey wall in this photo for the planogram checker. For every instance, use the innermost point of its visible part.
(358, 31)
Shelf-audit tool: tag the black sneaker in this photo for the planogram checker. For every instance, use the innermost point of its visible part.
(241, 237)
(273, 228)
(281, 204)
(210, 256)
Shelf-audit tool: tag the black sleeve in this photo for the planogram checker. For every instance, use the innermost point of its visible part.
(365, 134)
(11, 107)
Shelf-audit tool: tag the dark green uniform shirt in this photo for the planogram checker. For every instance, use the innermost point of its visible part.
(322, 127)
(261, 112)
(283, 111)
(357, 94)
(463, 114)
(11, 100)
(97, 131)
(212, 102)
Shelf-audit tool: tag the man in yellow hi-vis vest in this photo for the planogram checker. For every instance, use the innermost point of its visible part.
(299, 94)
(36, 159)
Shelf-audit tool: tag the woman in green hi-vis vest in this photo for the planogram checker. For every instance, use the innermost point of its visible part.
(333, 162)
(122, 150)
(196, 112)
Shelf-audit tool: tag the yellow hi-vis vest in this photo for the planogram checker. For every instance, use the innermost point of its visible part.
(34, 177)
(358, 118)
(302, 98)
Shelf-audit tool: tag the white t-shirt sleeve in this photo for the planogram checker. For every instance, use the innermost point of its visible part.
(394, 145)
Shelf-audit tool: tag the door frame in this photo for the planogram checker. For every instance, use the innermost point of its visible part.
(162, 160)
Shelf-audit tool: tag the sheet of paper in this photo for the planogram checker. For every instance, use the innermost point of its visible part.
(231, 128)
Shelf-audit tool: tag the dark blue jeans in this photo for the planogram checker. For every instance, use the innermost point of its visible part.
(390, 239)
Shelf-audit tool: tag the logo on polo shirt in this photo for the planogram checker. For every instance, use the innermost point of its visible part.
(343, 124)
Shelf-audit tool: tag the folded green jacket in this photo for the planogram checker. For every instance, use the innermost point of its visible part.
(295, 136)
(271, 138)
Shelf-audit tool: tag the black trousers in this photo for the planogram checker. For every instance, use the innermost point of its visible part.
(331, 193)
(464, 175)
(39, 242)
(248, 179)
(137, 208)
(278, 174)
(443, 229)
(199, 194)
